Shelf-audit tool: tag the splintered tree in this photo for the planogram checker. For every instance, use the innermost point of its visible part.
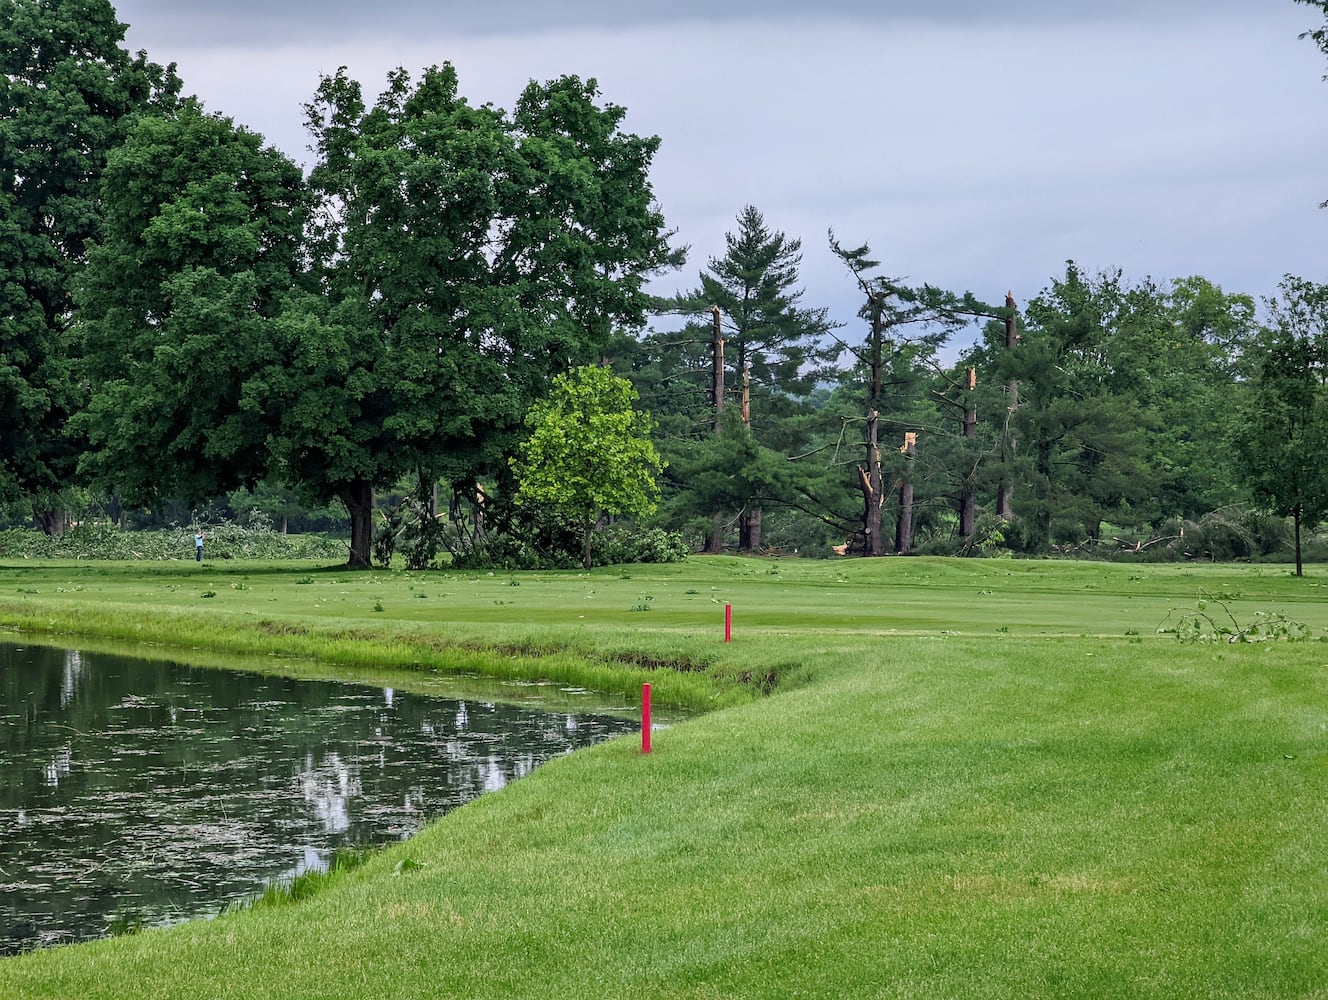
(888, 360)
(960, 393)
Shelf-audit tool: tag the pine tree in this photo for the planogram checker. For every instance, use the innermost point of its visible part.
(773, 347)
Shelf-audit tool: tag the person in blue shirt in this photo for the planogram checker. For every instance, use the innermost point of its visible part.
(198, 545)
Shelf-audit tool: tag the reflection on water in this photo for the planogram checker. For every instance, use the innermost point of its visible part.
(134, 792)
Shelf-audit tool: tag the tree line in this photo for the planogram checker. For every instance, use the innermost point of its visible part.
(1100, 404)
(184, 313)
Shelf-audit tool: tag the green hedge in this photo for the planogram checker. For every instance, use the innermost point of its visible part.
(222, 541)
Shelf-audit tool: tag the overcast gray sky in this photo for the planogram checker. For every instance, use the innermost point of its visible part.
(975, 145)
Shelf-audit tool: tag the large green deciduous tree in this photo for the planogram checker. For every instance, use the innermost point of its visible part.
(463, 257)
(589, 452)
(201, 246)
(68, 94)
(1280, 436)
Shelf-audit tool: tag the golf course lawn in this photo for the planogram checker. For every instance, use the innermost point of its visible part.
(913, 778)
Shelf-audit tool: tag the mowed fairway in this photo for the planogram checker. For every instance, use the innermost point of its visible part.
(972, 779)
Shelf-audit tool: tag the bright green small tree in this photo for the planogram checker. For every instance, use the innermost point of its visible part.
(589, 452)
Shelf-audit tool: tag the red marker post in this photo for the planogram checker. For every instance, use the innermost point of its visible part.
(728, 623)
(645, 718)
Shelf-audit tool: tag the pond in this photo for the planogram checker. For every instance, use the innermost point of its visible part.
(140, 793)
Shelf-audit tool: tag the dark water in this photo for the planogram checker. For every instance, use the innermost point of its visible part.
(135, 792)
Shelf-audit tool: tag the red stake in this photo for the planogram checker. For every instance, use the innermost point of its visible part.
(728, 623)
(645, 718)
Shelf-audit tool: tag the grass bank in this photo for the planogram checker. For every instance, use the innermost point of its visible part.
(970, 780)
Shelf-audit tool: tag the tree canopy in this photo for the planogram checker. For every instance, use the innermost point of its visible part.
(199, 249)
(185, 313)
(68, 95)
(589, 452)
(1281, 431)
(463, 257)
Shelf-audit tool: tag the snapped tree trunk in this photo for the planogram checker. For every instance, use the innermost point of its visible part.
(358, 496)
(873, 497)
(1295, 516)
(904, 523)
(714, 543)
(968, 500)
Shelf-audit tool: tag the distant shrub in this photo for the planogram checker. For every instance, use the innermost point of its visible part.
(498, 550)
(619, 544)
(223, 541)
(940, 547)
(611, 546)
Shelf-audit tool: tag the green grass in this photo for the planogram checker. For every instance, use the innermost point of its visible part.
(974, 779)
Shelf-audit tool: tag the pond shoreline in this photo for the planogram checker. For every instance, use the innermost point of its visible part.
(235, 778)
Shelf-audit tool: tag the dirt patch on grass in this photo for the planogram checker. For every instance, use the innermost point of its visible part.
(282, 628)
(682, 664)
(764, 682)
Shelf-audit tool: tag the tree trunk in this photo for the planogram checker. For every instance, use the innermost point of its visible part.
(51, 521)
(968, 501)
(358, 497)
(968, 514)
(285, 525)
(714, 544)
(904, 524)
(749, 537)
(715, 541)
(586, 533)
(1005, 492)
(1300, 568)
(873, 496)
